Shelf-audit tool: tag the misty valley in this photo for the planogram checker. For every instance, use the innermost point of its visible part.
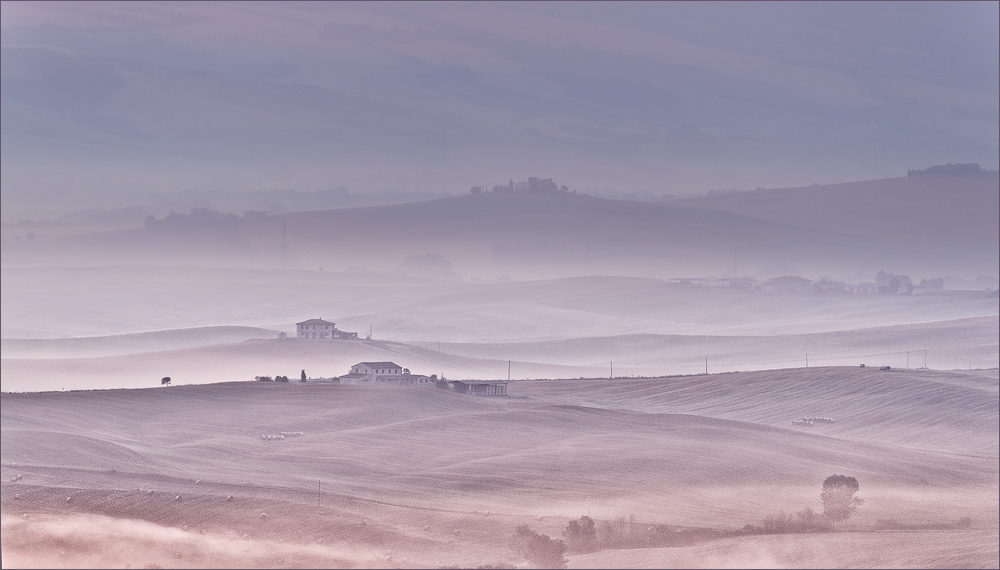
(500, 284)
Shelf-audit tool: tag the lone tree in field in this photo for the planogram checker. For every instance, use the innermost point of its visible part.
(838, 497)
(540, 550)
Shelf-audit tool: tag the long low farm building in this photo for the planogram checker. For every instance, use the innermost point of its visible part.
(383, 374)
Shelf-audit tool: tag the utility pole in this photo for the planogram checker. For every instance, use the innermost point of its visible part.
(706, 365)
(508, 371)
(925, 358)
(807, 360)
(318, 483)
(612, 369)
(907, 359)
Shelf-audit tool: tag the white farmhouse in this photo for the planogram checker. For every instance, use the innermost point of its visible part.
(382, 373)
(318, 328)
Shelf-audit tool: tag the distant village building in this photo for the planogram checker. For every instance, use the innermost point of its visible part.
(534, 185)
(383, 374)
(864, 288)
(509, 187)
(320, 329)
(959, 170)
(889, 284)
(687, 282)
(787, 284)
(828, 286)
(743, 283)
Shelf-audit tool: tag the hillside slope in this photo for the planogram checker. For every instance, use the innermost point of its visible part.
(914, 208)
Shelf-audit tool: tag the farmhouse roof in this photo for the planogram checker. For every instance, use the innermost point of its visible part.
(381, 364)
(786, 279)
(315, 322)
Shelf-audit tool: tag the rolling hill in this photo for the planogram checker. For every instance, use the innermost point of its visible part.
(433, 477)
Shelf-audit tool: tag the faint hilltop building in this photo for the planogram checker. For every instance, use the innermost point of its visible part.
(787, 284)
(320, 329)
(864, 288)
(256, 216)
(383, 374)
(536, 185)
(504, 188)
(741, 283)
(828, 286)
(686, 282)
(476, 190)
(889, 284)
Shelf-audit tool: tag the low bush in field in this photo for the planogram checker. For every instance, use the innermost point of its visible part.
(805, 520)
(540, 550)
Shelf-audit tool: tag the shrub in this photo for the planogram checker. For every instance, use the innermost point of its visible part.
(805, 520)
(581, 536)
(539, 549)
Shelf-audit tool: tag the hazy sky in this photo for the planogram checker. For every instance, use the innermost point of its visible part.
(102, 102)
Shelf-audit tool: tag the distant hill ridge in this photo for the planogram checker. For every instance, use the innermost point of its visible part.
(926, 224)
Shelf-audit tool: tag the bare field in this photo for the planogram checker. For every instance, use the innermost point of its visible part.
(415, 477)
(928, 549)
